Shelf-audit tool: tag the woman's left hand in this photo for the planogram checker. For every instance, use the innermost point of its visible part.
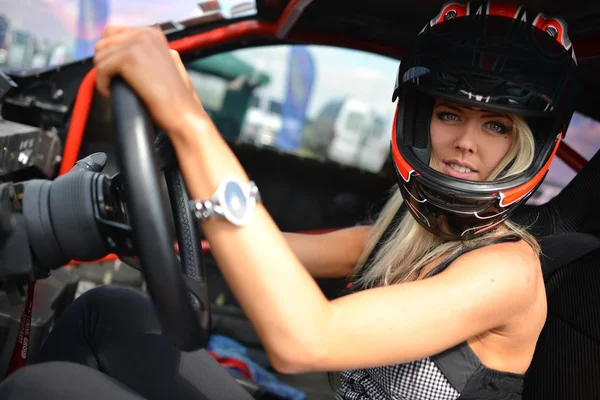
(143, 59)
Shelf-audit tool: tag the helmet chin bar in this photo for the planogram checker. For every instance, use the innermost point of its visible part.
(448, 225)
(458, 216)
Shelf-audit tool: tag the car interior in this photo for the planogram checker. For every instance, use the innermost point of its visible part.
(58, 109)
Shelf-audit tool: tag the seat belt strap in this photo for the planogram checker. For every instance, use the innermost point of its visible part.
(21, 349)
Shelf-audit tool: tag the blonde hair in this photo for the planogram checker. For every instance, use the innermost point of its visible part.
(409, 247)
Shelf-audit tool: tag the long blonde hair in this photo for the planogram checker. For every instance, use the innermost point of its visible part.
(410, 247)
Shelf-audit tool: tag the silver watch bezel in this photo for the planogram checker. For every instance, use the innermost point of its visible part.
(204, 210)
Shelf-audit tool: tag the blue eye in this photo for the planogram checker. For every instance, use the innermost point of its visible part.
(446, 116)
(497, 127)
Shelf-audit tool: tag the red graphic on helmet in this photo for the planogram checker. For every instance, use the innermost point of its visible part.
(554, 27)
(450, 11)
(513, 195)
(403, 167)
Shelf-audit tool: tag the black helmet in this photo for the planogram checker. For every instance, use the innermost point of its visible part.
(493, 56)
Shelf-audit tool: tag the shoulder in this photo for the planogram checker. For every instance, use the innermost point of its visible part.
(513, 260)
(503, 273)
(514, 249)
(511, 257)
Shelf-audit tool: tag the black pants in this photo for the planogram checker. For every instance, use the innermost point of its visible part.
(108, 345)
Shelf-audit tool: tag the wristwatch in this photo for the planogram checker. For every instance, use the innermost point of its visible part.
(233, 200)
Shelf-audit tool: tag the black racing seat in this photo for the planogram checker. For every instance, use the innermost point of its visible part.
(566, 363)
(575, 209)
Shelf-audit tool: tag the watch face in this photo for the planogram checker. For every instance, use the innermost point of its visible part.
(235, 201)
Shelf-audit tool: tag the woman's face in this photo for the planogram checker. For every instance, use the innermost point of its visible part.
(468, 143)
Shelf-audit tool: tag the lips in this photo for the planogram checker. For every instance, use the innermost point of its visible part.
(459, 169)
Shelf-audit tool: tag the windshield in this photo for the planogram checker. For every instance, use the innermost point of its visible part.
(39, 34)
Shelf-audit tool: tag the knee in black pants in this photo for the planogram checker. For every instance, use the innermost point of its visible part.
(94, 321)
(127, 309)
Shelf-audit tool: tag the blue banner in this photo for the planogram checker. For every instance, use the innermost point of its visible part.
(301, 77)
(93, 16)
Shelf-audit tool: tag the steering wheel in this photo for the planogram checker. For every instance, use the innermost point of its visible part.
(178, 289)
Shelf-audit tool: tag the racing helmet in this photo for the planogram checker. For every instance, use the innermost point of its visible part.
(492, 56)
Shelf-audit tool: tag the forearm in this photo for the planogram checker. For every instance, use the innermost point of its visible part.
(329, 255)
(276, 292)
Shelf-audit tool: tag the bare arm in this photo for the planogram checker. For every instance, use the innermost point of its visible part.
(303, 331)
(329, 255)
(300, 328)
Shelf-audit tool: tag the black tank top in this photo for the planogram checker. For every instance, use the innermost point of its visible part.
(462, 367)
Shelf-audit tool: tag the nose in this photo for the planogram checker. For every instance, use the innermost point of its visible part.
(466, 138)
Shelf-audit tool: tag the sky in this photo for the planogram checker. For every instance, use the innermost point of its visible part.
(57, 19)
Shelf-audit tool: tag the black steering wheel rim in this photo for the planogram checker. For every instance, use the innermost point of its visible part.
(181, 301)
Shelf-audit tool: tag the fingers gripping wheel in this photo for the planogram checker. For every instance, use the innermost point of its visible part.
(184, 322)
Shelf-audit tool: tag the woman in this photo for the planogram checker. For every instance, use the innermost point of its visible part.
(448, 299)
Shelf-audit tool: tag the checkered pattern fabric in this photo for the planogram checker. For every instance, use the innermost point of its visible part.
(418, 380)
